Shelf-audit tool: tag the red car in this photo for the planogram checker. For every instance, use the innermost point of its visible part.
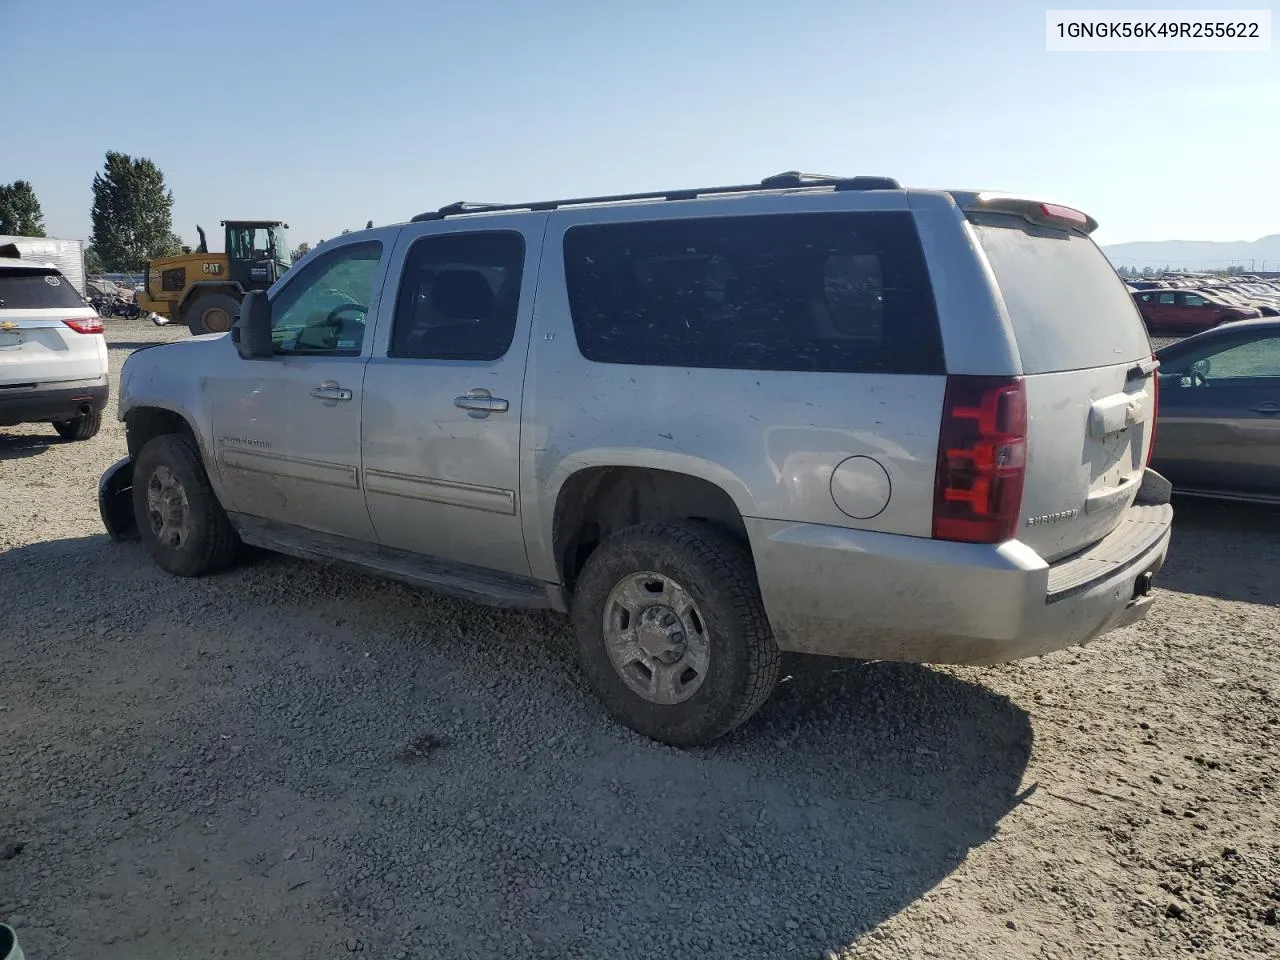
(1188, 311)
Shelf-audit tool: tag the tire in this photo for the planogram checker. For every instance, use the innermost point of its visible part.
(83, 427)
(198, 538)
(210, 312)
(741, 664)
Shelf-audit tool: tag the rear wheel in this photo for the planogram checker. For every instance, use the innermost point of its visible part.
(179, 518)
(82, 427)
(211, 313)
(672, 633)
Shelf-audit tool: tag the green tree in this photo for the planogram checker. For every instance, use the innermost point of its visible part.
(93, 262)
(300, 251)
(132, 213)
(20, 213)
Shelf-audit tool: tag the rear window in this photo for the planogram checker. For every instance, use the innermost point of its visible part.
(1068, 306)
(27, 289)
(831, 292)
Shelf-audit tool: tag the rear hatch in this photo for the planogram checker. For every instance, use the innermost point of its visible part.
(1090, 381)
(37, 345)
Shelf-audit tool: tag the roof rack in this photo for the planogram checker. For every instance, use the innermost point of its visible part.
(781, 181)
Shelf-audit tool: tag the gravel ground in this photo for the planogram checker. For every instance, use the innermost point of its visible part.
(294, 761)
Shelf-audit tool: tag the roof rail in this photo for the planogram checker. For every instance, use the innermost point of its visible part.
(782, 181)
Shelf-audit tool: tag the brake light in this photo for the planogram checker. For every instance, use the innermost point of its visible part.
(982, 459)
(1054, 211)
(1155, 413)
(85, 324)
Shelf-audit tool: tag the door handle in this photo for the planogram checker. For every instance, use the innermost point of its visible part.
(480, 402)
(1267, 406)
(330, 391)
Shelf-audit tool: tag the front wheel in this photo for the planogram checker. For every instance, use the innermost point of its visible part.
(185, 529)
(672, 633)
(212, 313)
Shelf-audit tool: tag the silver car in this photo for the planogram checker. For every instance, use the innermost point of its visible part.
(817, 414)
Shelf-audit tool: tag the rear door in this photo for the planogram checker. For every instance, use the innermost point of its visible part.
(1220, 414)
(37, 346)
(443, 392)
(1086, 359)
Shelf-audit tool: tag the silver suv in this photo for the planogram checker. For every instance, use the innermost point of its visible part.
(811, 414)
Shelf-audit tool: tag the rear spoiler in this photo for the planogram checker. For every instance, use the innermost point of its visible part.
(1032, 210)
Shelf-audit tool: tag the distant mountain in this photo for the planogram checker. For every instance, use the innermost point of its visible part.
(1261, 254)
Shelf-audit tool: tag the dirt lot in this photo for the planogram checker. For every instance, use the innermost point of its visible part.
(291, 761)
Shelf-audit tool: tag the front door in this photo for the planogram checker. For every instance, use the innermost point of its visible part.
(443, 390)
(1220, 416)
(287, 430)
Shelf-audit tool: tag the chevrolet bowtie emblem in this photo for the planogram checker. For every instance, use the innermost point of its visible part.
(8, 325)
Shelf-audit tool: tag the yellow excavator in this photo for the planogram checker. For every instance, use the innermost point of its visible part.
(203, 290)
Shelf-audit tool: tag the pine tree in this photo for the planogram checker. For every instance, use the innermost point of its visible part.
(132, 213)
(20, 213)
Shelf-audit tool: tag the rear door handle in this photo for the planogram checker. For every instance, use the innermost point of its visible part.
(330, 391)
(1267, 406)
(479, 401)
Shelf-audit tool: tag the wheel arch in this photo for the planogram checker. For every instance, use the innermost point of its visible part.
(144, 423)
(598, 500)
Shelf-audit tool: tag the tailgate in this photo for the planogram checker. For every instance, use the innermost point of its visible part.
(38, 347)
(1089, 431)
(1090, 382)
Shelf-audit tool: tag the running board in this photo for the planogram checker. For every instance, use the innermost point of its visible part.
(456, 580)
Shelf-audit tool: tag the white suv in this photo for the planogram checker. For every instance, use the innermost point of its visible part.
(824, 415)
(53, 356)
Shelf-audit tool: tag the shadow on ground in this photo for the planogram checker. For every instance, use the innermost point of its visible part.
(17, 446)
(1230, 551)
(304, 754)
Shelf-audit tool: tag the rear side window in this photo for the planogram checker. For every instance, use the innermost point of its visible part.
(26, 289)
(1068, 306)
(459, 295)
(827, 292)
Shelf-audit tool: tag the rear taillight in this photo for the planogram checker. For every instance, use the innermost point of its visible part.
(85, 324)
(1055, 211)
(1155, 413)
(982, 459)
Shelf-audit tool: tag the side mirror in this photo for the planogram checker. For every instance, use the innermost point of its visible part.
(251, 332)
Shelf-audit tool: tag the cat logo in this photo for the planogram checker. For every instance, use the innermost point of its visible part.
(212, 268)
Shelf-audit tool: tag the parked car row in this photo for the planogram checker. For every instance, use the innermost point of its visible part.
(1186, 303)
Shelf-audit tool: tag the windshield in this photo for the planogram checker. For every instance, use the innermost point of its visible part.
(284, 252)
(256, 243)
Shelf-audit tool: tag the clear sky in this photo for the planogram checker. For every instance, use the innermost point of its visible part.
(329, 113)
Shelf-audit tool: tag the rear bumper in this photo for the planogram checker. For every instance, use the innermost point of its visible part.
(46, 402)
(874, 596)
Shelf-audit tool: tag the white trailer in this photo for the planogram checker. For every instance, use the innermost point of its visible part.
(66, 255)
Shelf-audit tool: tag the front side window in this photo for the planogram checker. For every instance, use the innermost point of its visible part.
(1241, 361)
(323, 310)
(826, 292)
(458, 297)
